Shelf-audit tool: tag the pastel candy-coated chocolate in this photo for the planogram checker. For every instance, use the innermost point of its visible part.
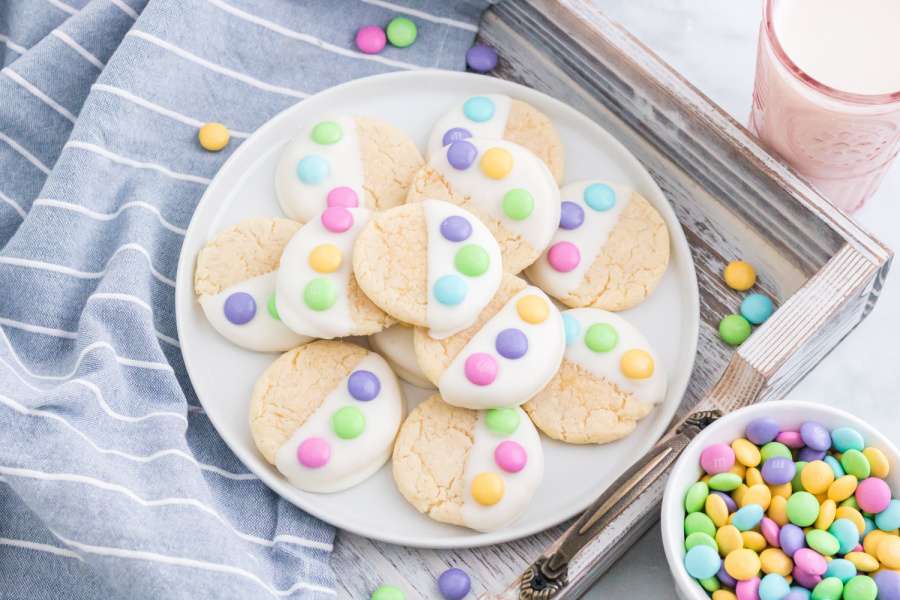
(571, 215)
(698, 538)
(388, 592)
(829, 588)
(822, 542)
(401, 32)
(807, 454)
(456, 228)
(774, 449)
(454, 584)
(363, 385)
(888, 583)
(729, 501)
(846, 533)
(797, 593)
(802, 509)
(702, 562)
(778, 470)
(695, 497)
(734, 329)
(724, 482)
(757, 308)
(773, 587)
(846, 438)
(770, 531)
(742, 564)
(479, 109)
(791, 539)
(510, 456)
(461, 154)
(747, 517)
(861, 587)
(762, 431)
(481, 368)
(725, 578)
(873, 495)
(855, 463)
(810, 561)
(746, 452)
(717, 458)
(889, 518)
(790, 438)
(240, 308)
(371, 39)
(314, 452)
(455, 134)
(815, 435)
(481, 58)
(698, 521)
(342, 196)
(841, 568)
(835, 466)
(807, 580)
(747, 590)
(878, 462)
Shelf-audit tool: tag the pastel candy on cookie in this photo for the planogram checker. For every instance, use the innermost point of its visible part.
(477, 469)
(610, 251)
(395, 344)
(506, 186)
(345, 161)
(316, 292)
(235, 284)
(499, 117)
(326, 415)
(430, 264)
(609, 379)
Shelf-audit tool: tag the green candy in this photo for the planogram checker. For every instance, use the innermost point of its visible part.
(851, 502)
(860, 587)
(796, 484)
(725, 482)
(518, 204)
(401, 32)
(326, 133)
(388, 592)
(601, 337)
(734, 329)
(270, 306)
(855, 463)
(698, 538)
(348, 422)
(710, 584)
(695, 498)
(504, 421)
(829, 588)
(698, 522)
(822, 542)
(320, 294)
(802, 509)
(774, 449)
(472, 260)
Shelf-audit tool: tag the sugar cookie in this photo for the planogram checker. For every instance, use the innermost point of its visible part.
(326, 415)
(235, 283)
(610, 251)
(477, 469)
(499, 117)
(609, 379)
(345, 161)
(504, 185)
(316, 292)
(395, 344)
(507, 356)
(431, 264)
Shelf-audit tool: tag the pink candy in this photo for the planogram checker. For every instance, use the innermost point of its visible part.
(770, 531)
(371, 39)
(807, 580)
(717, 458)
(481, 368)
(342, 196)
(747, 590)
(873, 495)
(314, 452)
(810, 562)
(510, 456)
(337, 219)
(791, 439)
(563, 256)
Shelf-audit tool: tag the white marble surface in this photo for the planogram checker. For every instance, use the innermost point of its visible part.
(713, 44)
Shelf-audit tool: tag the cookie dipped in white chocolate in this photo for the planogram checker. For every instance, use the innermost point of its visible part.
(395, 344)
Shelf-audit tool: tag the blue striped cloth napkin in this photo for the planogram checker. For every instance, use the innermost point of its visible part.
(113, 483)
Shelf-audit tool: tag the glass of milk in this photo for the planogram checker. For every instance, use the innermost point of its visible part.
(827, 92)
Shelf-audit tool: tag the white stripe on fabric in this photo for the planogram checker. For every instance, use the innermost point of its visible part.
(126, 95)
(120, 4)
(309, 39)
(25, 153)
(12, 45)
(29, 545)
(68, 41)
(63, 6)
(110, 216)
(34, 91)
(422, 14)
(30, 327)
(16, 206)
(215, 67)
(299, 541)
(135, 163)
(192, 563)
(121, 454)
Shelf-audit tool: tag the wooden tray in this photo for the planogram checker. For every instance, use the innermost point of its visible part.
(733, 199)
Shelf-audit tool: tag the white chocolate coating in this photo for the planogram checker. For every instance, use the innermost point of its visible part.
(262, 333)
(352, 461)
(519, 379)
(395, 344)
(493, 128)
(295, 273)
(519, 488)
(445, 320)
(303, 202)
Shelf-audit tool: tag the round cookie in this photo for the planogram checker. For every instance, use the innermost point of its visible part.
(477, 469)
(234, 280)
(504, 185)
(509, 354)
(395, 344)
(326, 415)
(431, 264)
(609, 379)
(610, 251)
(345, 161)
(499, 117)
(316, 292)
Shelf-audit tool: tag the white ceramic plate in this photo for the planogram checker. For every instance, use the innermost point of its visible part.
(223, 375)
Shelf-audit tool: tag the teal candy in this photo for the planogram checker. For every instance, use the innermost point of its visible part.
(796, 484)
(870, 525)
(699, 522)
(829, 588)
(774, 449)
(698, 538)
(572, 327)
(846, 533)
(702, 562)
(599, 196)
(710, 584)
(450, 290)
(836, 467)
(773, 587)
(822, 542)
(847, 438)
(695, 498)
(889, 518)
(312, 169)
(747, 517)
(841, 568)
(479, 109)
(757, 308)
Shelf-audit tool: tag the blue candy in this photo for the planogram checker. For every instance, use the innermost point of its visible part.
(313, 169)
(773, 587)
(572, 327)
(702, 562)
(478, 109)
(835, 465)
(748, 517)
(757, 308)
(846, 533)
(841, 568)
(870, 525)
(599, 196)
(847, 438)
(889, 518)
(797, 593)
(450, 290)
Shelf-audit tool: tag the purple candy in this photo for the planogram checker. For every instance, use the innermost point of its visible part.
(456, 228)
(571, 216)
(725, 578)
(461, 154)
(454, 584)
(807, 454)
(791, 538)
(454, 135)
(778, 470)
(511, 343)
(729, 501)
(888, 583)
(363, 385)
(240, 307)
(807, 580)
(481, 58)
(762, 431)
(815, 436)
(797, 595)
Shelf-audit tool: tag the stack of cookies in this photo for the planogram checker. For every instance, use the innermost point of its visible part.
(455, 268)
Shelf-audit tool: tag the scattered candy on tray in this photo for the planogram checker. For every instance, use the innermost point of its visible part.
(740, 275)
(213, 136)
(370, 39)
(734, 329)
(454, 584)
(757, 308)
(401, 32)
(388, 592)
(481, 58)
(799, 514)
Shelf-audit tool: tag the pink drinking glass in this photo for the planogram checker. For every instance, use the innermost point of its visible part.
(842, 143)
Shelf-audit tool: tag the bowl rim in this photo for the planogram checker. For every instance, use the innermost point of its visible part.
(673, 541)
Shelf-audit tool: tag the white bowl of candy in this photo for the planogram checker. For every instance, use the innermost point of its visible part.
(785, 501)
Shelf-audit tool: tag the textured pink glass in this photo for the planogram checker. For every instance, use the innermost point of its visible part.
(842, 143)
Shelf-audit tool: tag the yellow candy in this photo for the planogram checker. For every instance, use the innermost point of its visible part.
(827, 511)
(816, 477)
(487, 488)
(778, 510)
(496, 163)
(784, 490)
(636, 364)
(862, 561)
(742, 564)
(532, 309)
(753, 477)
(757, 494)
(738, 494)
(717, 510)
(774, 560)
(723, 595)
(753, 540)
(739, 470)
(842, 488)
(746, 452)
(848, 512)
(889, 552)
(213, 136)
(873, 540)
(729, 539)
(740, 275)
(878, 462)
(325, 258)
